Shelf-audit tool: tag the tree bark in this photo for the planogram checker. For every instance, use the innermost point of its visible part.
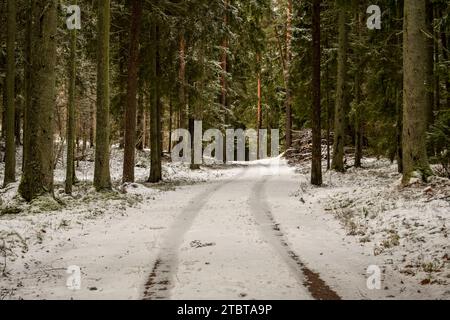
(102, 178)
(437, 80)
(399, 110)
(358, 105)
(182, 80)
(18, 124)
(259, 106)
(141, 120)
(414, 91)
(329, 110)
(10, 153)
(132, 86)
(170, 124)
(37, 178)
(27, 76)
(341, 93)
(316, 167)
(429, 62)
(445, 54)
(288, 101)
(155, 113)
(70, 165)
(91, 126)
(224, 62)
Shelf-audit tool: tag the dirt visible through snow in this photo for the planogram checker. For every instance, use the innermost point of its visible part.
(243, 232)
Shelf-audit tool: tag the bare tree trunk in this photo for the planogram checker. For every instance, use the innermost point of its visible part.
(329, 111)
(259, 108)
(10, 153)
(182, 80)
(414, 91)
(358, 105)
(140, 121)
(132, 85)
(429, 62)
(37, 178)
(399, 109)
(102, 178)
(341, 93)
(155, 113)
(17, 124)
(27, 76)
(445, 54)
(316, 167)
(91, 126)
(437, 80)
(224, 62)
(288, 76)
(70, 165)
(3, 113)
(170, 124)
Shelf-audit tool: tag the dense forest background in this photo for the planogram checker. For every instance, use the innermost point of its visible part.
(137, 70)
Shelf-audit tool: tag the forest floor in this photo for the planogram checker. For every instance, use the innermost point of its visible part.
(246, 231)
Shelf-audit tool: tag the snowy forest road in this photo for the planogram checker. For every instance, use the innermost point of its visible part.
(226, 244)
(242, 232)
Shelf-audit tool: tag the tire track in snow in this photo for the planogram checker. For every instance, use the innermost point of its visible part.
(271, 229)
(160, 281)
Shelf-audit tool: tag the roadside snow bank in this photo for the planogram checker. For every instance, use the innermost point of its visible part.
(406, 227)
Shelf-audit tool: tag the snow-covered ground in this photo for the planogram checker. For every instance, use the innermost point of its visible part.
(404, 231)
(238, 232)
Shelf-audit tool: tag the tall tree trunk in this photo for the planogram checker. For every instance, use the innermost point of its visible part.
(358, 105)
(316, 167)
(437, 80)
(445, 39)
(3, 113)
(429, 62)
(414, 91)
(132, 86)
(140, 120)
(27, 76)
(182, 80)
(37, 178)
(329, 108)
(259, 106)
(288, 101)
(341, 94)
(399, 110)
(102, 178)
(91, 126)
(17, 123)
(329, 111)
(155, 113)
(70, 165)
(193, 115)
(224, 62)
(170, 124)
(10, 153)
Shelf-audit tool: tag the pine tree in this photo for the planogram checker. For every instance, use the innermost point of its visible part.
(341, 91)
(287, 70)
(132, 88)
(102, 179)
(155, 111)
(70, 164)
(10, 154)
(316, 167)
(37, 178)
(358, 104)
(414, 91)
